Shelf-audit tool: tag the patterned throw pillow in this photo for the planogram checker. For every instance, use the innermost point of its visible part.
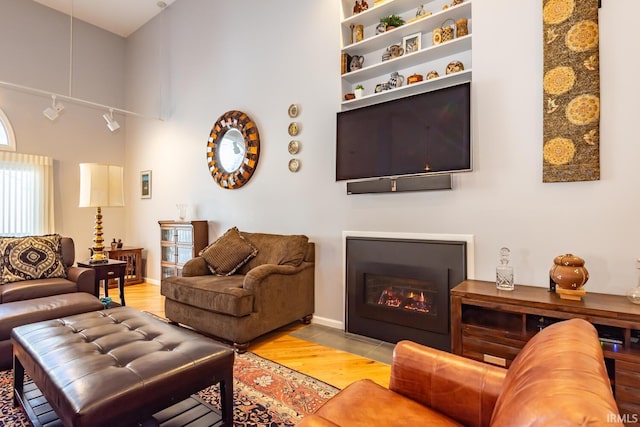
(32, 257)
(227, 254)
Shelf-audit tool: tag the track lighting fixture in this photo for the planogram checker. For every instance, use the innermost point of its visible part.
(54, 111)
(112, 124)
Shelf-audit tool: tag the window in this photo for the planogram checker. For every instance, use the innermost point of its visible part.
(26, 194)
(7, 138)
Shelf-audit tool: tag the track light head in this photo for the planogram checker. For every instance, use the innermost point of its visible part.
(112, 124)
(54, 111)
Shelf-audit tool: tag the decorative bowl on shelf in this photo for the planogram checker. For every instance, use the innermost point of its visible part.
(414, 78)
(569, 272)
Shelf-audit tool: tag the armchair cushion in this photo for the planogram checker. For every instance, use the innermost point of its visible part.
(31, 258)
(276, 249)
(225, 294)
(228, 253)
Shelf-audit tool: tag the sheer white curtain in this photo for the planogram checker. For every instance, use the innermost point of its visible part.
(26, 194)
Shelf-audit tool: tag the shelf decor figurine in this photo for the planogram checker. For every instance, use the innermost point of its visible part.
(570, 275)
(359, 33)
(357, 8)
(504, 272)
(396, 80)
(447, 30)
(356, 62)
(462, 27)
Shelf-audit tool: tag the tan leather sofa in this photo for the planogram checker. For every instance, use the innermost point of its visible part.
(558, 379)
(273, 289)
(31, 301)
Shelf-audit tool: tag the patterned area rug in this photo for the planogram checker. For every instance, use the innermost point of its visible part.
(265, 393)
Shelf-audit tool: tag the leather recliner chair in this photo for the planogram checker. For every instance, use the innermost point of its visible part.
(558, 379)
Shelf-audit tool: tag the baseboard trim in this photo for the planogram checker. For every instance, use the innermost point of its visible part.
(324, 321)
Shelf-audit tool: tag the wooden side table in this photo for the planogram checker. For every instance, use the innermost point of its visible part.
(133, 257)
(113, 269)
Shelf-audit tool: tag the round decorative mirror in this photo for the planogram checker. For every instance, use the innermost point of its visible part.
(233, 149)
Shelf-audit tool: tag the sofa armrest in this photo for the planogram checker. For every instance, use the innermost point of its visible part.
(195, 267)
(84, 278)
(463, 389)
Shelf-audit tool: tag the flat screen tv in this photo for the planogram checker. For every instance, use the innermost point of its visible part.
(421, 134)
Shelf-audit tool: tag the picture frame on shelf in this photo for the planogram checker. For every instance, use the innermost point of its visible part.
(145, 184)
(411, 43)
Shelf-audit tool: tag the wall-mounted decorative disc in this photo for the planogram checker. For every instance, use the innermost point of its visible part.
(294, 128)
(293, 147)
(293, 110)
(233, 149)
(294, 165)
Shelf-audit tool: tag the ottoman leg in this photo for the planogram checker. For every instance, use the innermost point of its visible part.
(18, 382)
(226, 397)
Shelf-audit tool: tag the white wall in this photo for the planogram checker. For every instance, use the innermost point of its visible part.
(217, 56)
(35, 52)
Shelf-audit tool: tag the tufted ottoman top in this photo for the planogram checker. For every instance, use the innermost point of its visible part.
(117, 366)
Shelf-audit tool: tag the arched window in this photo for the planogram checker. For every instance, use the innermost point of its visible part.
(7, 137)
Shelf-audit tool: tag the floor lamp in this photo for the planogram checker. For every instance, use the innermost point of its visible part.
(100, 186)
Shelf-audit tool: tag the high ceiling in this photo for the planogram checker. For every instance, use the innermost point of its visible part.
(121, 17)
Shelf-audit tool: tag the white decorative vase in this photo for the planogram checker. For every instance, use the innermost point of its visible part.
(359, 93)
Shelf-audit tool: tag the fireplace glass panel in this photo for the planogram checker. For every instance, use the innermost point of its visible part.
(400, 294)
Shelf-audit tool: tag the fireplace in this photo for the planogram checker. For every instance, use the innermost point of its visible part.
(398, 288)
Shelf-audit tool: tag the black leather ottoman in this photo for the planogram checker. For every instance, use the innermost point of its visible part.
(118, 366)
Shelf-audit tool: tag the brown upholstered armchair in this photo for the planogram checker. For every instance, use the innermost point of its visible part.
(558, 379)
(243, 286)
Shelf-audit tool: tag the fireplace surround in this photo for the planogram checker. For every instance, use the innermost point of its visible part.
(397, 284)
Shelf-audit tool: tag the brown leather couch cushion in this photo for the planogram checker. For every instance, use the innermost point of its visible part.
(559, 378)
(29, 289)
(365, 403)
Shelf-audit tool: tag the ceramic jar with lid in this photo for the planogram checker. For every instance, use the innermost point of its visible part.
(396, 80)
(569, 272)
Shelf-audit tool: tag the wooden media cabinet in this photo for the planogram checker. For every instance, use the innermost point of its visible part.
(492, 326)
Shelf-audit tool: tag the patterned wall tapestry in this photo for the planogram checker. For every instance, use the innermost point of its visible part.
(571, 91)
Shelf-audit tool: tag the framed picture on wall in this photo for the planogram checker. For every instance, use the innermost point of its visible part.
(145, 184)
(411, 43)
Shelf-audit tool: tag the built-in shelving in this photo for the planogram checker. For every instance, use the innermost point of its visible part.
(429, 57)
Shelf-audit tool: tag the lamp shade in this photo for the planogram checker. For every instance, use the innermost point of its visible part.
(101, 185)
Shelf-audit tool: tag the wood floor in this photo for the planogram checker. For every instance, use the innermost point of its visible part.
(334, 367)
